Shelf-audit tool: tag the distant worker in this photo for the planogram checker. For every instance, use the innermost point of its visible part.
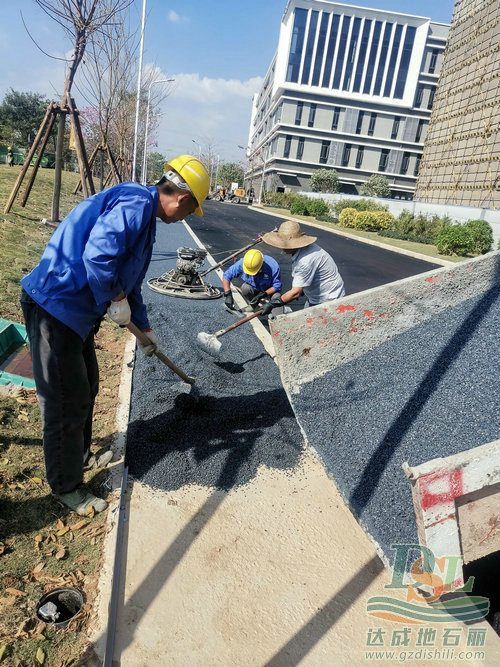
(95, 262)
(251, 195)
(222, 193)
(314, 272)
(260, 275)
(10, 157)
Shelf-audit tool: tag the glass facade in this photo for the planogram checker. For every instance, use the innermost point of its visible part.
(311, 38)
(361, 54)
(300, 148)
(325, 148)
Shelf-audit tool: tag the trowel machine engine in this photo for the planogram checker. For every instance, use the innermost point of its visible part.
(185, 281)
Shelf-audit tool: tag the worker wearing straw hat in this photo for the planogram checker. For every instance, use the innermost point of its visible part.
(314, 272)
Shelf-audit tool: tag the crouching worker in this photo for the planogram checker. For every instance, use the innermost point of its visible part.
(94, 263)
(260, 275)
(314, 272)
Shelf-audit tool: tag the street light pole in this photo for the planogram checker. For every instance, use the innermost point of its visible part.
(139, 80)
(263, 172)
(144, 157)
(199, 148)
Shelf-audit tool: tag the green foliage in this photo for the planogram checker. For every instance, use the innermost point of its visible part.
(324, 180)
(230, 172)
(359, 205)
(326, 218)
(373, 221)
(454, 240)
(155, 167)
(376, 186)
(420, 227)
(20, 117)
(283, 199)
(347, 217)
(392, 234)
(299, 207)
(317, 207)
(482, 235)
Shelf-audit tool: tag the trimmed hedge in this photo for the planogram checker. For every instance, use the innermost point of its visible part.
(482, 235)
(391, 234)
(359, 205)
(454, 240)
(373, 221)
(347, 217)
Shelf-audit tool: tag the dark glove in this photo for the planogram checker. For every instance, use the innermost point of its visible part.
(275, 302)
(255, 299)
(228, 299)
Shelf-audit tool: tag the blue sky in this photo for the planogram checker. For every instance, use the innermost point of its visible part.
(217, 51)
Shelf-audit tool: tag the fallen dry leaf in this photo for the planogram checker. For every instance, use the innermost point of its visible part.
(38, 568)
(79, 524)
(61, 553)
(59, 524)
(38, 538)
(40, 656)
(37, 480)
(14, 591)
(62, 531)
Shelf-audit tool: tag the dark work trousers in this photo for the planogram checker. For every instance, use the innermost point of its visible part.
(247, 291)
(67, 380)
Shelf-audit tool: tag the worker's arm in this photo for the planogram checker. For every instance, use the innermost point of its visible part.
(292, 294)
(280, 300)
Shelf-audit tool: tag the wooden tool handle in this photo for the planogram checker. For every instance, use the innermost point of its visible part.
(141, 336)
(237, 324)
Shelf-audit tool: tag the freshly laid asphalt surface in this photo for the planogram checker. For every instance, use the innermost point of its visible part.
(427, 393)
(238, 416)
(435, 386)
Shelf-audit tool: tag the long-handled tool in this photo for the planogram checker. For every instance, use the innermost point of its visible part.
(141, 336)
(209, 342)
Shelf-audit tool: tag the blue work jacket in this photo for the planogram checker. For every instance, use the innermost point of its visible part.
(102, 247)
(268, 276)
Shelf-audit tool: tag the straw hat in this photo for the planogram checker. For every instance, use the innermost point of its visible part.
(288, 237)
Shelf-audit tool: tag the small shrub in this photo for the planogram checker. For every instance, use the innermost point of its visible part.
(347, 217)
(376, 186)
(324, 180)
(392, 234)
(299, 207)
(454, 240)
(373, 221)
(482, 234)
(419, 226)
(326, 218)
(317, 207)
(359, 205)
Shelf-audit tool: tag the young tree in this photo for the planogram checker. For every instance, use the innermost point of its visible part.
(231, 173)
(155, 166)
(376, 186)
(20, 117)
(324, 180)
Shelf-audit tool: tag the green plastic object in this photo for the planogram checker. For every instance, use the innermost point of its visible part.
(12, 337)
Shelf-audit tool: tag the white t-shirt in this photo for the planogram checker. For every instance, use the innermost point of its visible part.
(314, 270)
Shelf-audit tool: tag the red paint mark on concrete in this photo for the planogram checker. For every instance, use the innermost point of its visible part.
(449, 483)
(430, 280)
(342, 309)
(309, 320)
(368, 313)
(383, 315)
(325, 322)
(325, 310)
(353, 328)
(276, 335)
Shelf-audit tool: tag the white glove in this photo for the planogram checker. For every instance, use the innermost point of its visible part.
(119, 311)
(149, 350)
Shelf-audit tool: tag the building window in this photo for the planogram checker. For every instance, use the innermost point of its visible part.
(331, 49)
(392, 62)
(341, 52)
(320, 48)
(335, 120)
(418, 99)
(360, 122)
(288, 141)
(298, 113)
(362, 55)
(383, 57)
(311, 37)
(417, 166)
(299, 28)
(431, 98)
(419, 130)
(371, 126)
(384, 156)
(359, 157)
(404, 163)
(432, 64)
(325, 148)
(346, 155)
(395, 127)
(312, 115)
(372, 57)
(405, 62)
(300, 148)
(351, 54)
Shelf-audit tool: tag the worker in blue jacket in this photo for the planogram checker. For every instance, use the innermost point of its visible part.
(94, 264)
(260, 275)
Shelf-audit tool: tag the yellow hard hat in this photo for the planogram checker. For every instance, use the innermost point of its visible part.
(194, 175)
(253, 261)
(9, 148)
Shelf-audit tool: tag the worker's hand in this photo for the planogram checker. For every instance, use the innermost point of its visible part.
(228, 299)
(275, 302)
(149, 350)
(257, 298)
(119, 311)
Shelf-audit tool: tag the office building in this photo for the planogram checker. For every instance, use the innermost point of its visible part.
(462, 148)
(349, 88)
